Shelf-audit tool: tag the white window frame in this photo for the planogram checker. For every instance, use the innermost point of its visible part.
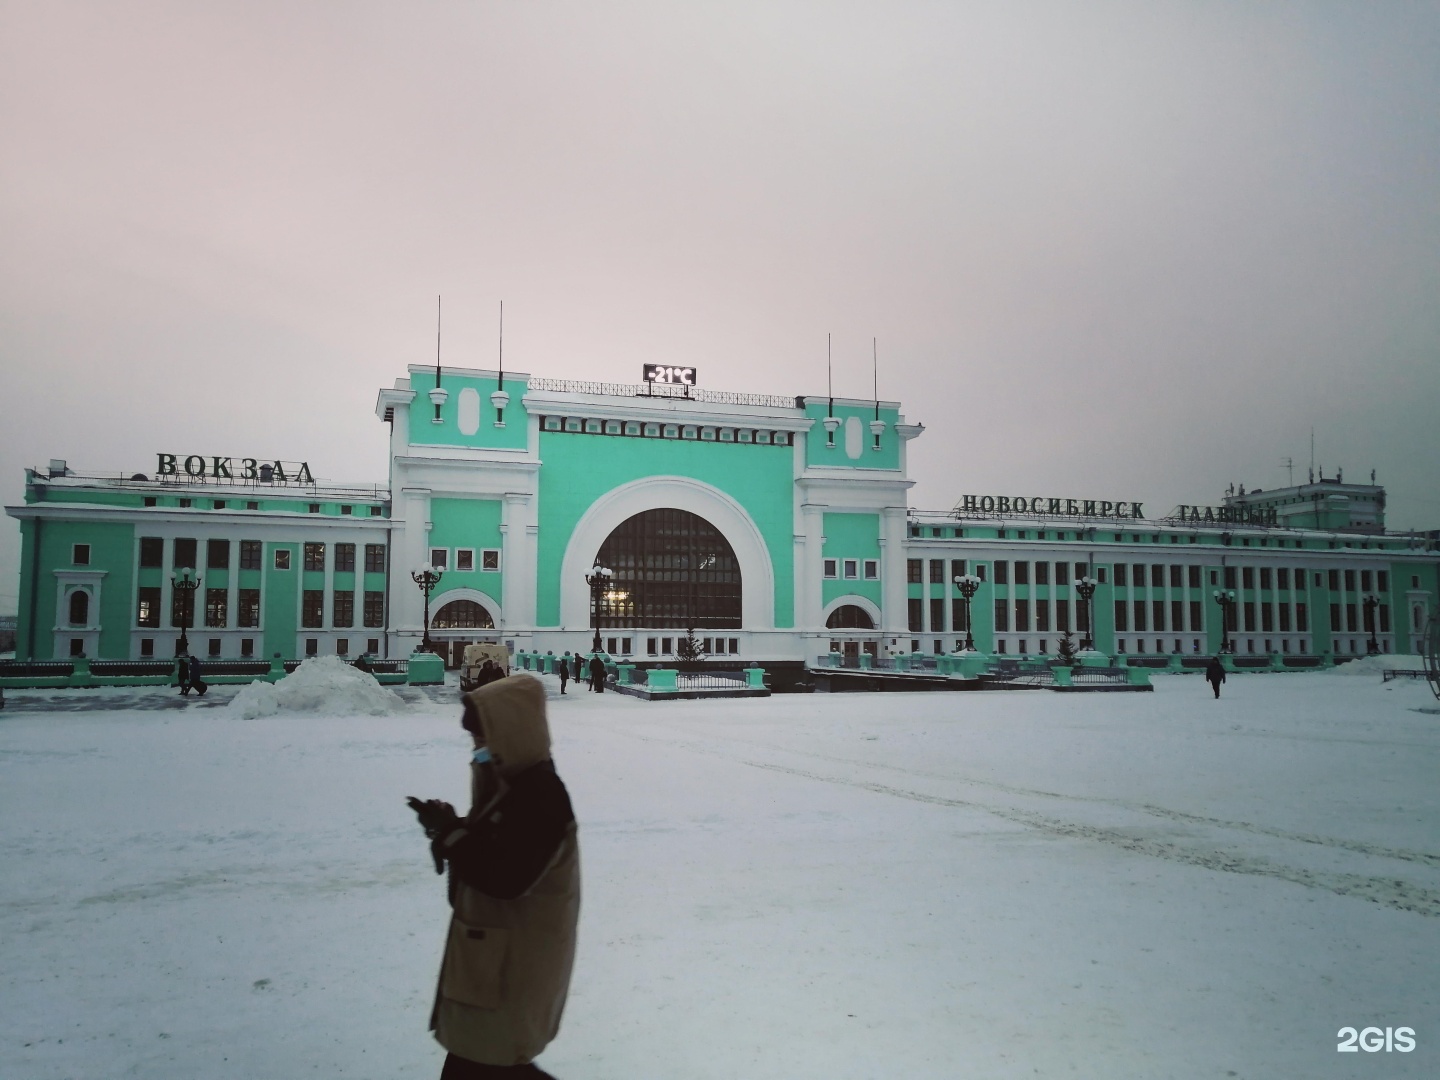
(444, 553)
(75, 559)
(485, 554)
(830, 568)
(459, 554)
(872, 569)
(851, 569)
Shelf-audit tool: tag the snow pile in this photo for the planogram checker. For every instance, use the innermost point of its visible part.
(1375, 665)
(324, 686)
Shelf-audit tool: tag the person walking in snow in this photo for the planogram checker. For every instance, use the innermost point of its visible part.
(182, 673)
(1215, 674)
(514, 891)
(564, 669)
(196, 683)
(597, 674)
(575, 669)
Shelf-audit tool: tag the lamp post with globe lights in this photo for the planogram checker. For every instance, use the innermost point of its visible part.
(1372, 647)
(426, 577)
(1086, 587)
(185, 586)
(1226, 599)
(968, 584)
(598, 579)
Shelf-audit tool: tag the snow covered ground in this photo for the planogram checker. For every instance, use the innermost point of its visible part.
(833, 886)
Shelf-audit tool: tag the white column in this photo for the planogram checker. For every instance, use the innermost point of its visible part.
(410, 543)
(810, 595)
(895, 616)
(518, 537)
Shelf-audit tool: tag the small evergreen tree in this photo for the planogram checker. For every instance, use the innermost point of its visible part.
(1067, 649)
(687, 649)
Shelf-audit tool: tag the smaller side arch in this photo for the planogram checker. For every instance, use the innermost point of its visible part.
(868, 606)
(489, 603)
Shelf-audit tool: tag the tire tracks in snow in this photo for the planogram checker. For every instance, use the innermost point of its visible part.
(1384, 889)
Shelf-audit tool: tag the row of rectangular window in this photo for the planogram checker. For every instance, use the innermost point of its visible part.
(465, 559)
(247, 647)
(853, 569)
(217, 608)
(666, 646)
(346, 509)
(1155, 575)
(640, 429)
(1355, 614)
(217, 555)
(1022, 610)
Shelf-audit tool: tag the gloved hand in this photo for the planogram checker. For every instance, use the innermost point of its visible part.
(438, 819)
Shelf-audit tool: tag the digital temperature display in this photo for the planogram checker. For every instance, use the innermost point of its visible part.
(670, 376)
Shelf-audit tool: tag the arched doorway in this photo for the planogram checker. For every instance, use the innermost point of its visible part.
(852, 631)
(849, 617)
(455, 625)
(673, 570)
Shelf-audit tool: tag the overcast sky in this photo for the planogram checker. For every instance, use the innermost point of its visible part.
(1130, 251)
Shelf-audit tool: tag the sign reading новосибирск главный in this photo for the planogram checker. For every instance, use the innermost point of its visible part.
(1104, 508)
(199, 467)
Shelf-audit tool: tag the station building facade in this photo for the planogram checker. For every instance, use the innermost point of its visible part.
(775, 529)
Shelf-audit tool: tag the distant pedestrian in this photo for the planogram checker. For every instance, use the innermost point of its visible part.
(597, 674)
(1215, 674)
(488, 673)
(197, 684)
(182, 673)
(564, 667)
(575, 668)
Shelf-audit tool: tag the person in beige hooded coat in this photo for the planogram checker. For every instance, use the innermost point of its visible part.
(514, 890)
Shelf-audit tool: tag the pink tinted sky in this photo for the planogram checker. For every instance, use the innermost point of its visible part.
(1109, 250)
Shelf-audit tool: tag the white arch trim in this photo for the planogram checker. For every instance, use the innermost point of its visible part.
(757, 575)
(867, 606)
(439, 600)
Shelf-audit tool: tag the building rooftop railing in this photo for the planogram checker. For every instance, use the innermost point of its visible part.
(291, 488)
(661, 390)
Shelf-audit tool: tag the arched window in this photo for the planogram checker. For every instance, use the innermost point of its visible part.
(462, 615)
(79, 608)
(673, 569)
(849, 617)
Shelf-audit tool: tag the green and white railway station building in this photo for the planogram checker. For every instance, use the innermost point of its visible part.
(779, 530)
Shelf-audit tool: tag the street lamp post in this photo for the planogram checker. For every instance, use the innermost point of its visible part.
(186, 586)
(427, 577)
(1226, 599)
(1086, 586)
(1372, 647)
(599, 580)
(968, 584)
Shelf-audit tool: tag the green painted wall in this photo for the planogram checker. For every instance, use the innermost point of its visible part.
(111, 547)
(585, 467)
(467, 523)
(818, 453)
(281, 618)
(424, 432)
(851, 536)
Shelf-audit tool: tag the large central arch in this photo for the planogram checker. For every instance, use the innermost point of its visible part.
(757, 575)
(673, 570)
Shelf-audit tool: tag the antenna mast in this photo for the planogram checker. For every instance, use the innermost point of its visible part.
(502, 345)
(829, 378)
(875, 373)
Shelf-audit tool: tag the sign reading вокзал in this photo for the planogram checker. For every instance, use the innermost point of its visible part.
(199, 467)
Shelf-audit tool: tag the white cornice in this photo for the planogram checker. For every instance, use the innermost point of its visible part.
(664, 410)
